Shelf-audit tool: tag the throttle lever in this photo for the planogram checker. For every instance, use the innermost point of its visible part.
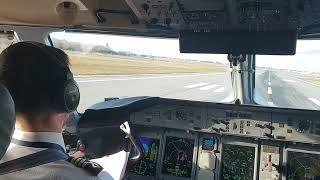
(126, 129)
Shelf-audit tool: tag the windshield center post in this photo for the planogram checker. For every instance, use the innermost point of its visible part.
(242, 77)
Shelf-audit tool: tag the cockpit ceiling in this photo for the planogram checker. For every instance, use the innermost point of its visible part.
(63, 12)
(166, 15)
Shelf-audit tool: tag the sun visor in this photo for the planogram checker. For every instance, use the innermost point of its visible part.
(239, 42)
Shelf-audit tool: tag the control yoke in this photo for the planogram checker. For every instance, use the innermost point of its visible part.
(126, 129)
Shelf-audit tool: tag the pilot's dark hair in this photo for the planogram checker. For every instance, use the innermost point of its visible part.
(30, 75)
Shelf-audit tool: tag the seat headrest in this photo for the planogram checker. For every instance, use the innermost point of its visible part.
(7, 119)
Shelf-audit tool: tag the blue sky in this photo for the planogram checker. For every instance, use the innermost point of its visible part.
(306, 59)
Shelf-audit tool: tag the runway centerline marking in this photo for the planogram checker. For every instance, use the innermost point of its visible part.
(219, 90)
(269, 90)
(208, 87)
(195, 85)
(315, 101)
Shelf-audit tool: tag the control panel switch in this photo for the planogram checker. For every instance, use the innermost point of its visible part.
(224, 122)
(269, 126)
(215, 129)
(268, 135)
(260, 126)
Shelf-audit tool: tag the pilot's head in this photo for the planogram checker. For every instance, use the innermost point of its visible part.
(41, 84)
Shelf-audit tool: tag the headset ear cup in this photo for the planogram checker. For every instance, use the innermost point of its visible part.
(71, 95)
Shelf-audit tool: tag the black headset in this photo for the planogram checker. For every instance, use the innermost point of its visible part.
(65, 95)
(7, 119)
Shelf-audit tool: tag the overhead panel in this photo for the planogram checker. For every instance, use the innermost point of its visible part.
(252, 15)
(157, 14)
(205, 15)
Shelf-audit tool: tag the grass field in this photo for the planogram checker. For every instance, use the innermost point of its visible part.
(312, 79)
(112, 65)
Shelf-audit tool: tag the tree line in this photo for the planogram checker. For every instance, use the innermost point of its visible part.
(88, 48)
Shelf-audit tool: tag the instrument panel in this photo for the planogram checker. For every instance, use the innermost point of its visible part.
(198, 140)
(247, 121)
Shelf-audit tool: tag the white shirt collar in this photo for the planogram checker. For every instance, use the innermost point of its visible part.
(50, 137)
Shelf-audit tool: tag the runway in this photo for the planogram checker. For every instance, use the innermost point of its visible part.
(284, 89)
(272, 88)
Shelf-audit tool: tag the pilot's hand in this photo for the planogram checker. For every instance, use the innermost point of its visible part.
(77, 154)
(104, 141)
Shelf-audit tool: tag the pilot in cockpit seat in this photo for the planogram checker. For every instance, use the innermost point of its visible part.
(44, 92)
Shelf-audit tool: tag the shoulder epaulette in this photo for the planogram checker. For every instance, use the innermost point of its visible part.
(91, 167)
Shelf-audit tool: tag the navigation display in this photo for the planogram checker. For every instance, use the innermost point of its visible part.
(237, 162)
(178, 155)
(303, 166)
(147, 165)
